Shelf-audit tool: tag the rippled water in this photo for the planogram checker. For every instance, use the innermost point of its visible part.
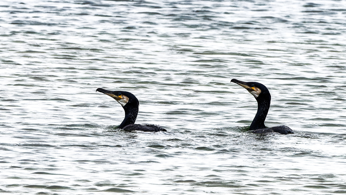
(178, 57)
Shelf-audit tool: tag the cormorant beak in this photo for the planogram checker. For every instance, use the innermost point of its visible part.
(255, 91)
(109, 93)
(121, 99)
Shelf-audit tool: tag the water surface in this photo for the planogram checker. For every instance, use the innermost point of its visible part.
(177, 57)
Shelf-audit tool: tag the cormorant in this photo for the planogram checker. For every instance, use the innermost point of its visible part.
(262, 95)
(130, 104)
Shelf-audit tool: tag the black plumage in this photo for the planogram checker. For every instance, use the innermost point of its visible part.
(130, 104)
(262, 95)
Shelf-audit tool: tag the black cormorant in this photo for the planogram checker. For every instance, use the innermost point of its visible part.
(262, 95)
(130, 104)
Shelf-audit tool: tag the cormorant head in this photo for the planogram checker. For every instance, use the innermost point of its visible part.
(256, 89)
(122, 97)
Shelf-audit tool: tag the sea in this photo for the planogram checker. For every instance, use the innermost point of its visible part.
(59, 136)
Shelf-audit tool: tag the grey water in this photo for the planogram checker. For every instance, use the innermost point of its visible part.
(178, 57)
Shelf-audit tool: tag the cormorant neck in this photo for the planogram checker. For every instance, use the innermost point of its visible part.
(130, 115)
(263, 102)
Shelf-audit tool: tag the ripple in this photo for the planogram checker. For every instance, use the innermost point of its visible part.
(179, 58)
(118, 190)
